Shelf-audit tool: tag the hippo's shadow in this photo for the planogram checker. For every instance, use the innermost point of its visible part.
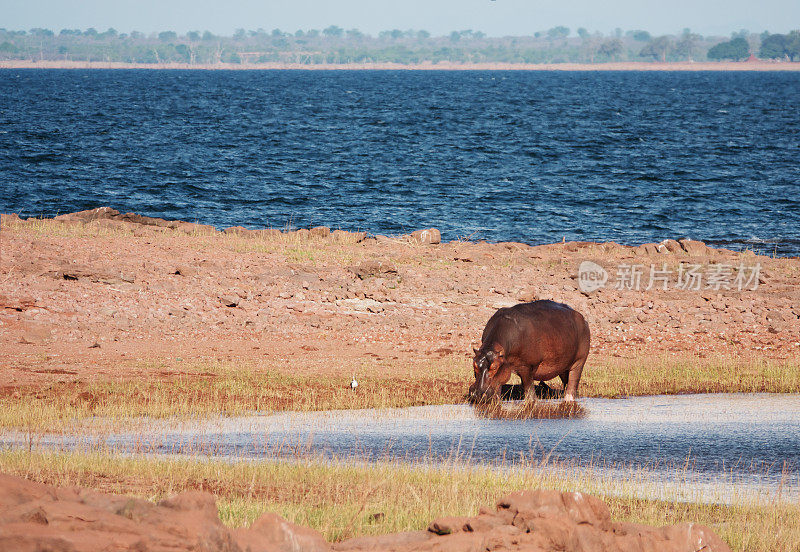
(515, 392)
(496, 410)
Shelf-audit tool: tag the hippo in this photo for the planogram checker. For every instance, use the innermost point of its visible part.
(537, 341)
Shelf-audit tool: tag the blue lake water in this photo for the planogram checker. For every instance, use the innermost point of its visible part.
(525, 156)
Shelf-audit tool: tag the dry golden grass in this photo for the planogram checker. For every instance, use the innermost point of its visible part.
(295, 246)
(340, 498)
(680, 374)
(227, 389)
(216, 389)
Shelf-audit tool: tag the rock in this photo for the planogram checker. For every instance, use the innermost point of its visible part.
(112, 224)
(577, 507)
(184, 270)
(528, 295)
(229, 300)
(429, 236)
(193, 228)
(372, 268)
(237, 231)
(91, 214)
(320, 232)
(543, 521)
(411, 540)
(775, 316)
(148, 221)
(35, 517)
(669, 246)
(271, 533)
(449, 525)
(69, 271)
(651, 248)
(621, 315)
(343, 237)
(694, 248)
(35, 334)
(646, 249)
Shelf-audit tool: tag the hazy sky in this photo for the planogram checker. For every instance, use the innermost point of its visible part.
(496, 18)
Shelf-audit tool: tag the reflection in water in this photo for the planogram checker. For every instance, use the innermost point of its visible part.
(538, 410)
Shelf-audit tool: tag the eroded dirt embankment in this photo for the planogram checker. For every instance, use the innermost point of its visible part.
(102, 294)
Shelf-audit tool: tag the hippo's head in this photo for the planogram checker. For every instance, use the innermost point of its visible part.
(488, 374)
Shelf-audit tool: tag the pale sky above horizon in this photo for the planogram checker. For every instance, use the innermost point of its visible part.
(495, 18)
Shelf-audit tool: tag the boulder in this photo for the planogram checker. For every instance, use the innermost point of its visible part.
(111, 224)
(36, 517)
(373, 268)
(449, 525)
(694, 248)
(669, 246)
(272, 533)
(229, 300)
(91, 214)
(320, 232)
(543, 521)
(646, 249)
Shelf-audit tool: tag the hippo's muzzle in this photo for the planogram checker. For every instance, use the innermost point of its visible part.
(479, 392)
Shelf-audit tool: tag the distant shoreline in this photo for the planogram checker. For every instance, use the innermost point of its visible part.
(614, 66)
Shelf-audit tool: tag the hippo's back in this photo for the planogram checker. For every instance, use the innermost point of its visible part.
(539, 330)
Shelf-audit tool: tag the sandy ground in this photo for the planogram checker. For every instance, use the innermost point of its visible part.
(761, 65)
(113, 298)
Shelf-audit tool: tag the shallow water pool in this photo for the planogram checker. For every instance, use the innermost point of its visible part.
(745, 439)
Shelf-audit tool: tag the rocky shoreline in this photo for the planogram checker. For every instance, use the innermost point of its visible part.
(98, 292)
(39, 517)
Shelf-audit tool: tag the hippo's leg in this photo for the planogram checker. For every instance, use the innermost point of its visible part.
(564, 380)
(528, 390)
(572, 378)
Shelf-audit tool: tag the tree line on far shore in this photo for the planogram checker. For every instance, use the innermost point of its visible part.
(337, 45)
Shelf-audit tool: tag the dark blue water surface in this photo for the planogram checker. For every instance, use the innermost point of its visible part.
(526, 156)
